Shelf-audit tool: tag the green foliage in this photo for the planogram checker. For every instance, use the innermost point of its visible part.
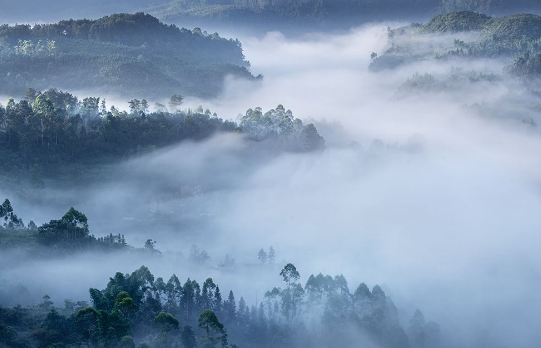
(215, 331)
(11, 221)
(527, 66)
(71, 229)
(188, 337)
(456, 22)
(280, 128)
(56, 130)
(133, 305)
(312, 141)
(166, 322)
(289, 274)
(132, 53)
(508, 37)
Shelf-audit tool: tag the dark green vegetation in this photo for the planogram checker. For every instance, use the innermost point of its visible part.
(456, 22)
(453, 83)
(467, 35)
(140, 310)
(66, 235)
(122, 54)
(52, 132)
(527, 66)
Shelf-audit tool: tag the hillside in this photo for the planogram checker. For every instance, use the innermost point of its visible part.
(456, 22)
(132, 53)
(466, 34)
(323, 14)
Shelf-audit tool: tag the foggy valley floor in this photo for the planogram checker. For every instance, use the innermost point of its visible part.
(400, 160)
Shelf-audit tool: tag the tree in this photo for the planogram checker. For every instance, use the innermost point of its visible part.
(125, 304)
(175, 102)
(187, 337)
(262, 256)
(11, 220)
(144, 106)
(271, 255)
(218, 302)
(166, 322)
(208, 321)
(149, 246)
(32, 226)
(47, 303)
(159, 107)
(207, 293)
(230, 307)
(291, 296)
(126, 342)
(135, 106)
(30, 95)
(422, 334)
(312, 141)
(103, 108)
(289, 274)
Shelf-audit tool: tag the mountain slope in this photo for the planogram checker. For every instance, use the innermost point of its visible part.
(132, 53)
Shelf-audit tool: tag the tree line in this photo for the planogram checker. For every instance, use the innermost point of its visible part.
(141, 310)
(51, 130)
(129, 54)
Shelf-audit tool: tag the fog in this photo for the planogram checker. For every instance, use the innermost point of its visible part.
(444, 214)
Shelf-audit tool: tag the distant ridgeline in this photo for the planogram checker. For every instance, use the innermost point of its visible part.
(323, 13)
(121, 54)
(261, 14)
(468, 34)
(51, 131)
(140, 310)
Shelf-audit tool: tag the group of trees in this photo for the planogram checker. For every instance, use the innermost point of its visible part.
(527, 65)
(282, 128)
(54, 128)
(513, 37)
(49, 131)
(10, 219)
(266, 257)
(139, 308)
(129, 54)
(71, 232)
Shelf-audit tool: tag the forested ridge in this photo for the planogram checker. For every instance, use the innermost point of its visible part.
(121, 54)
(515, 38)
(271, 14)
(141, 310)
(48, 132)
(325, 13)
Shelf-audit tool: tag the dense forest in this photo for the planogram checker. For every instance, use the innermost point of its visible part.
(122, 54)
(516, 38)
(50, 131)
(139, 310)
